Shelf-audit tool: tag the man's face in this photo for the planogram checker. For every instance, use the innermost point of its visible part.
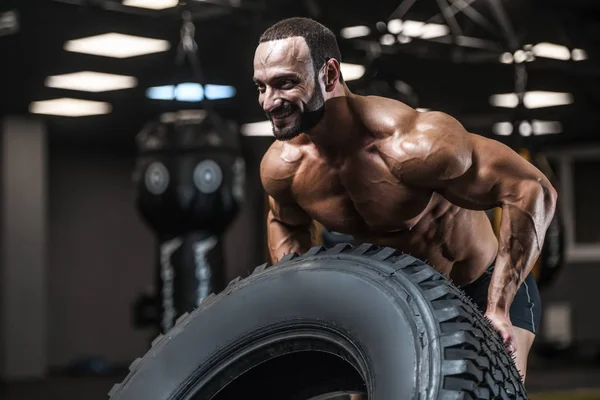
(288, 88)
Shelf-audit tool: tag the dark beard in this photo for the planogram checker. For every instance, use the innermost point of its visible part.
(308, 119)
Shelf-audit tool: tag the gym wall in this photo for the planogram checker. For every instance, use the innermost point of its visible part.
(101, 254)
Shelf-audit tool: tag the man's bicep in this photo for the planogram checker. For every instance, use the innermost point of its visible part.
(496, 175)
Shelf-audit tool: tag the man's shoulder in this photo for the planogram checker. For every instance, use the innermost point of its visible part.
(279, 165)
(434, 144)
(384, 117)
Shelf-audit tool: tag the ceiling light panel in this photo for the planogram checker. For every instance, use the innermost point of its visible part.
(117, 45)
(69, 107)
(89, 81)
(352, 72)
(355, 31)
(262, 128)
(151, 4)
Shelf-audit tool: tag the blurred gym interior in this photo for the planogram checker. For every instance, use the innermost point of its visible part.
(102, 101)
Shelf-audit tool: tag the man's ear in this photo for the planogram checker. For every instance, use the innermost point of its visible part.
(332, 74)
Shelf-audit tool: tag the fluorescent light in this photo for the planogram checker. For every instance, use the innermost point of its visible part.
(355, 31)
(506, 58)
(507, 100)
(520, 56)
(529, 56)
(89, 81)
(394, 26)
(351, 72)
(533, 99)
(189, 92)
(579, 55)
(546, 127)
(263, 128)
(551, 50)
(216, 92)
(539, 99)
(404, 39)
(69, 107)
(117, 45)
(413, 28)
(161, 92)
(431, 31)
(151, 4)
(502, 128)
(387, 40)
(525, 128)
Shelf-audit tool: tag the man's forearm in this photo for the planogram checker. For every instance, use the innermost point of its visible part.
(522, 232)
(284, 239)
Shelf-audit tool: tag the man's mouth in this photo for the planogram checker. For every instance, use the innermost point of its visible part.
(283, 113)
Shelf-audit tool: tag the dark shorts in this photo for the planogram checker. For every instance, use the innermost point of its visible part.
(526, 309)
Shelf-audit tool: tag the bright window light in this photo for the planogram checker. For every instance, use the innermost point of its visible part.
(352, 72)
(432, 31)
(355, 31)
(546, 127)
(263, 128)
(551, 50)
(387, 40)
(539, 99)
(89, 81)
(506, 100)
(579, 55)
(117, 45)
(413, 28)
(217, 92)
(189, 92)
(161, 92)
(502, 128)
(394, 26)
(68, 107)
(151, 4)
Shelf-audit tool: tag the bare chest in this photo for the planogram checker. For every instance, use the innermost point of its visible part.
(359, 196)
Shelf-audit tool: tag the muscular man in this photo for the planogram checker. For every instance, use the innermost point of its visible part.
(377, 169)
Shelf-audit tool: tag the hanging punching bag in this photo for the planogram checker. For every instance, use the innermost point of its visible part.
(190, 183)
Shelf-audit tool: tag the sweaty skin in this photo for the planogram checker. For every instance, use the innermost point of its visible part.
(377, 169)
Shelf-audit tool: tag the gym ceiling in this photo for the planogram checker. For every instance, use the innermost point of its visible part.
(433, 73)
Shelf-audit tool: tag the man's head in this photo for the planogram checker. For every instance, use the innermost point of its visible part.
(296, 64)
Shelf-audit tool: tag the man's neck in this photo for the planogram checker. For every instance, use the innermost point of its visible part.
(337, 132)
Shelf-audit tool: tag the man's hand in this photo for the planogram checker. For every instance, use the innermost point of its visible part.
(501, 322)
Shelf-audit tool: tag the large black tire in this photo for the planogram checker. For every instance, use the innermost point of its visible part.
(362, 319)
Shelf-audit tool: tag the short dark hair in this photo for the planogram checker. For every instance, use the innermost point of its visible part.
(321, 41)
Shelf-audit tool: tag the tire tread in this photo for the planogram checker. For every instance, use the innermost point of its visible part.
(475, 364)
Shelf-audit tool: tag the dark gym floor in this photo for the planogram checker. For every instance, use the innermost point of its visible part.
(96, 388)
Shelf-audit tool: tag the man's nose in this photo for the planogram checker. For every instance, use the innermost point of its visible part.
(272, 104)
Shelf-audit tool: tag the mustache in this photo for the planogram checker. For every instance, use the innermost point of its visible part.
(283, 108)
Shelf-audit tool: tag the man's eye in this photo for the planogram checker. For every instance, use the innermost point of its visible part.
(287, 84)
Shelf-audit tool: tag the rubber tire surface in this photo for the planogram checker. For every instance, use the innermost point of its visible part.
(413, 334)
